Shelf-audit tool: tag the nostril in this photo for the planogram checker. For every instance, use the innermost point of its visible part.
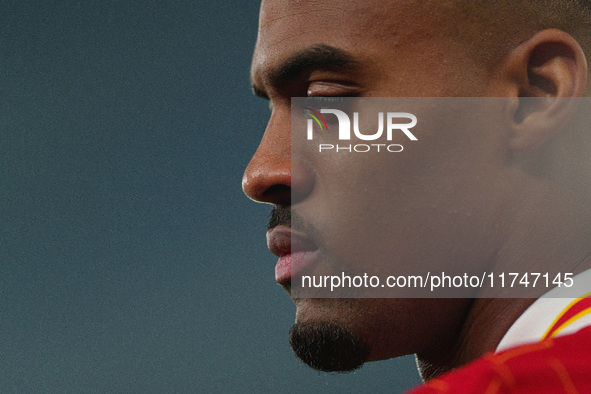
(277, 194)
(267, 184)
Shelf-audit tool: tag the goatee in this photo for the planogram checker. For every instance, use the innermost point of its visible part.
(328, 347)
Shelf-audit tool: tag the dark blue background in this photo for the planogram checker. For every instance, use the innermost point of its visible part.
(130, 259)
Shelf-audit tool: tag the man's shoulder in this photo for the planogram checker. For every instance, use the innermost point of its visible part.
(555, 365)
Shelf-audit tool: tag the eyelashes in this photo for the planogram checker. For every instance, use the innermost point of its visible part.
(328, 101)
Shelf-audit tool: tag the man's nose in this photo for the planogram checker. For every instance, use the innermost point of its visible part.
(272, 176)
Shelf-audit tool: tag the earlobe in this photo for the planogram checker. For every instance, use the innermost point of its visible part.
(548, 71)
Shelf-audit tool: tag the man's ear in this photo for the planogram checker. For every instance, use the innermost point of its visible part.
(544, 73)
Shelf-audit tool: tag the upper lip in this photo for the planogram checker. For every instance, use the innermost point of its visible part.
(281, 241)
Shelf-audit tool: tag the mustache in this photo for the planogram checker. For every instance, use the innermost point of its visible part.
(280, 216)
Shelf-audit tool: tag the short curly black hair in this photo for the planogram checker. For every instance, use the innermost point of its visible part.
(492, 27)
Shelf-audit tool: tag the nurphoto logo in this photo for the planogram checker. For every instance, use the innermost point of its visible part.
(395, 122)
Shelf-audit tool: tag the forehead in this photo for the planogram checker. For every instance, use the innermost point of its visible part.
(363, 28)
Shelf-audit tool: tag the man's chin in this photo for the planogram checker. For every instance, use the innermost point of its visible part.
(328, 347)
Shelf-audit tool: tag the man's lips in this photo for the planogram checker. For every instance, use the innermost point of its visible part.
(295, 252)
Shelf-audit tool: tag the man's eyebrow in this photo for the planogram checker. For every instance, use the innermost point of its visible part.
(319, 56)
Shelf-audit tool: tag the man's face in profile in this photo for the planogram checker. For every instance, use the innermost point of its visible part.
(375, 48)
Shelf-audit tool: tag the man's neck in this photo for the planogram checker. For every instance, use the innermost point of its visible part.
(547, 231)
(486, 323)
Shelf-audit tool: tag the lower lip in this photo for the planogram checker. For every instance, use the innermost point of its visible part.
(293, 263)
